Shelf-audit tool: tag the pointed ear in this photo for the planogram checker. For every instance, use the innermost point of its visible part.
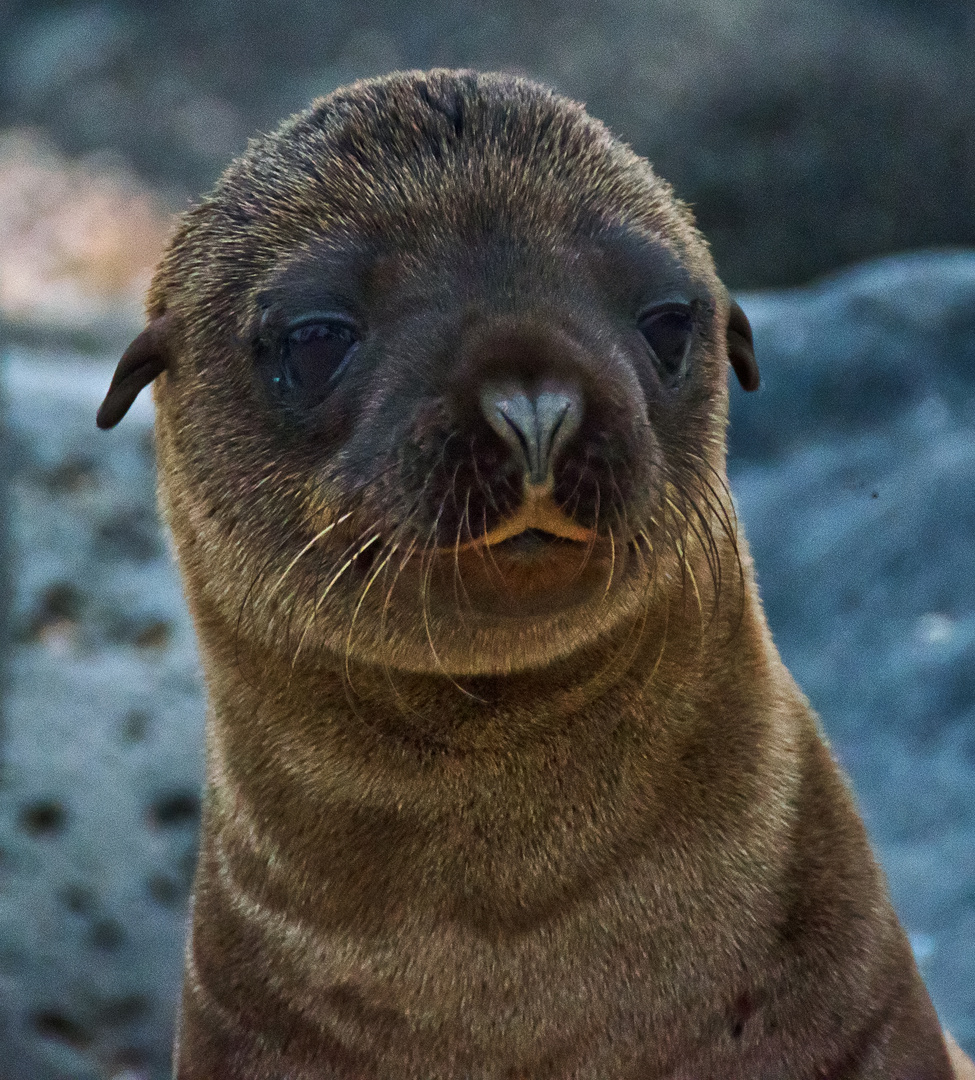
(741, 348)
(141, 362)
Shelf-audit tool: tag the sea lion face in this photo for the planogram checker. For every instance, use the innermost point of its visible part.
(445, 381)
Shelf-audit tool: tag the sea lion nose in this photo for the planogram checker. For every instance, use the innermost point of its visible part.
(535, 426)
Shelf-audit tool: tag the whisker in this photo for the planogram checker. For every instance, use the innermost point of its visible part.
(696, 524)
(429, 555)
(311, 543)
(458, 576)
(581, 472)
(405, 707)
(612, 563)
(328, 588)
(697, 594)
(485, 489)
(355, 614)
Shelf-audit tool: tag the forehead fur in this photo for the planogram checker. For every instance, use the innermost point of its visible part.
(417, 158)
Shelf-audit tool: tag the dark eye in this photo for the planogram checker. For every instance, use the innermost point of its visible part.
(312, 357)
(668, 331)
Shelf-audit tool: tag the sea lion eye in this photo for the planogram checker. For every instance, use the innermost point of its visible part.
(668, 331)
(313, 355)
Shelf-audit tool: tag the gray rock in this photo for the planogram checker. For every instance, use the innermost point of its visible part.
(853, 470)
(857, 350)
(100, 794)
(5, 580)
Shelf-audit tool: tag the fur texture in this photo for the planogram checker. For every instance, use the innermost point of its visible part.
(491, 801)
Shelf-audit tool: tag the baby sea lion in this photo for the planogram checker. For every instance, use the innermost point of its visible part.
(506, 780)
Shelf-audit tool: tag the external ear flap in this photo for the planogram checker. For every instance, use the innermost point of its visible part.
(141, 362)
(741, 349)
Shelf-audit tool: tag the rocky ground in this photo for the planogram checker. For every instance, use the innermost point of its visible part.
(854, 472)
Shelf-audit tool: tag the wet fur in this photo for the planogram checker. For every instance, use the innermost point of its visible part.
(456, 826)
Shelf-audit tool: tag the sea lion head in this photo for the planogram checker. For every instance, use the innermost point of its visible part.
(442, 382)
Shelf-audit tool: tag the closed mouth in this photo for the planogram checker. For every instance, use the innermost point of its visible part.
(534, 542)
(539, 521)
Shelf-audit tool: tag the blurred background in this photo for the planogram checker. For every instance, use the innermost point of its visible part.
(809, 138)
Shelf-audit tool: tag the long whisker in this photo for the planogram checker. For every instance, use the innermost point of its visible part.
(663, 648)
(328, 588)
(428, 556)
(696, 524)
(355, 614)
(582, 471)
(612, 563)
(705, 536)
(458, 576)
(485, 489)
(697, 594)
(399, 538)
(727, 515)
(404, 706)
(311, 543)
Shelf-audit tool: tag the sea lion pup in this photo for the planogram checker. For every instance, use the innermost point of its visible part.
(506, 780)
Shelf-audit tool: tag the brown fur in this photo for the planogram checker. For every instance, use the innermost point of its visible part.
(473, 811)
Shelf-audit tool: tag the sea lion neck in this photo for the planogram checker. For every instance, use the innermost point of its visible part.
(425, 715)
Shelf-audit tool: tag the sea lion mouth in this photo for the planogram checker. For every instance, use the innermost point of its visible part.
(534, 542)
(538, 561)
(538, 523)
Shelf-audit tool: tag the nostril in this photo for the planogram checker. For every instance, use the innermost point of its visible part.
(559, 414)
(535, 426)
(512, 416)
